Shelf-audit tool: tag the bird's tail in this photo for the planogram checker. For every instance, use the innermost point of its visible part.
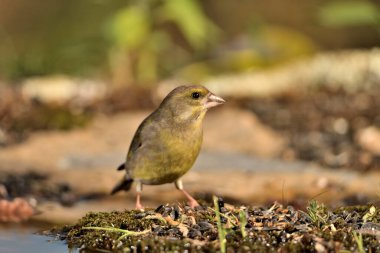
(125, 184)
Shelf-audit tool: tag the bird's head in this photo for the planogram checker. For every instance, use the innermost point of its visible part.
(190, 102)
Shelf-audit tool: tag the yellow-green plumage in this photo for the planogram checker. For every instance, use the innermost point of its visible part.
(168, 141)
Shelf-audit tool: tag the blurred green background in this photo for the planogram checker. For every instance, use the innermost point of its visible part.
(143, 41)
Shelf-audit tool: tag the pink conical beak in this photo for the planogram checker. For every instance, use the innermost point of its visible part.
(213, 100)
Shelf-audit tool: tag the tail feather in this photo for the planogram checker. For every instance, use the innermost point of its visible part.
(124, 184)
(121, 167)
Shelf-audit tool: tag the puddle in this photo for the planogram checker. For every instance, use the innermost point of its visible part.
(15, 241)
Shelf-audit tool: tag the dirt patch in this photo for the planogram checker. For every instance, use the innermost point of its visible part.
(40, 188)
(323, 125)
(243, 229)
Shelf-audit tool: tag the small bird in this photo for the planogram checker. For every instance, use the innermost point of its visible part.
(167, 143)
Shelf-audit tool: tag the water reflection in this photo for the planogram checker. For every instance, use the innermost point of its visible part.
(14, 241)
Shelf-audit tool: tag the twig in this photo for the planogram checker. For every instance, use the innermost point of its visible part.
(119, 230)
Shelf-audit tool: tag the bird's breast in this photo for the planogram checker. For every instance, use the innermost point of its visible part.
(184, 148)
(172, 158)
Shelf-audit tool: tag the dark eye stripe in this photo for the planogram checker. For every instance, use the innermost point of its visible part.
(195, 95)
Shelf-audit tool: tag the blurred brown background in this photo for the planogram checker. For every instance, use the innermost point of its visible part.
(301, 79)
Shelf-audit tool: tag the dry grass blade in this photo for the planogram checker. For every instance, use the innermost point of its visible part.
(119, 230)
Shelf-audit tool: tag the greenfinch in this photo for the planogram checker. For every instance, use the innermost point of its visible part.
(167, 143)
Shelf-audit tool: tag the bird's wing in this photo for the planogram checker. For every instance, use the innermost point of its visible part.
(143, 140)
(139, 139)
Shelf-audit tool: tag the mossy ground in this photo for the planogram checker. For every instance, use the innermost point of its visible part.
(175, 228)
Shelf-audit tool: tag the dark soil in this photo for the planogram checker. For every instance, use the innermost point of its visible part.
(273, 229)
(321, 125)
(39, 187)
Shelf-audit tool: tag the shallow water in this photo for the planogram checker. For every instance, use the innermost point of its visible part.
(16, 241)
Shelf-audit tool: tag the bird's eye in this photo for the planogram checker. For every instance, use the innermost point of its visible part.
(195, 95)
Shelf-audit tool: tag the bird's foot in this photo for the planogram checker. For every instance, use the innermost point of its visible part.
(139, 207)
(193, 203)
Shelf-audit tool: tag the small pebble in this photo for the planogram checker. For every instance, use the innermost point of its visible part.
(193, 233)
(140, 215)
(203, 226)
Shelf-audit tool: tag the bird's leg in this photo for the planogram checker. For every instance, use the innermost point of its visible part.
(138, 194)
(193, 203)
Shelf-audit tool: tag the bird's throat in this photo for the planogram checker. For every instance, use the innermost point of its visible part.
(190, 117)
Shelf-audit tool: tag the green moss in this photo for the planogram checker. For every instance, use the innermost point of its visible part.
(264, 231)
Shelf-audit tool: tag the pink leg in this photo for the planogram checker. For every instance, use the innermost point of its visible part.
(193, 203)
(138, 194)
(138, 203)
